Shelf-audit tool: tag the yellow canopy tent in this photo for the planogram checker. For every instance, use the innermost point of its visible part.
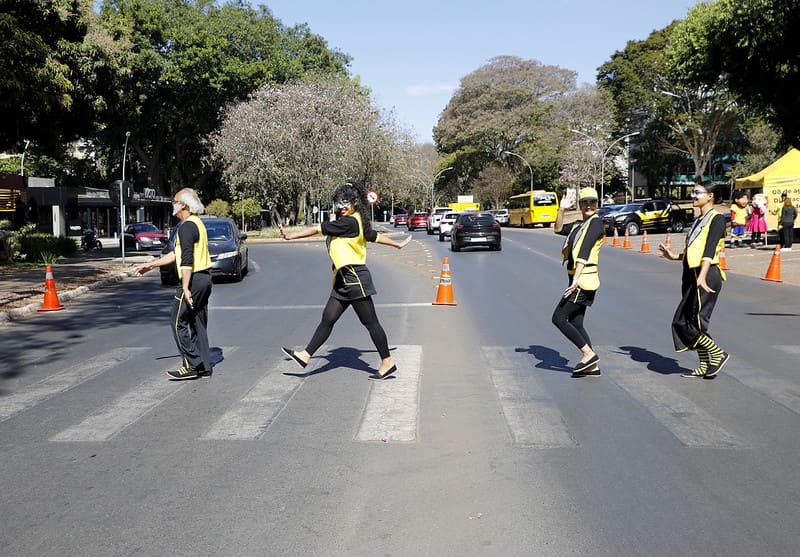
(783, 175)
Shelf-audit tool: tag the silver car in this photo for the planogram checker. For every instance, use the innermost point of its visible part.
(446, 225)
(500, 215)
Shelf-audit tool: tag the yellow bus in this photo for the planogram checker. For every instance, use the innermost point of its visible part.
(533, 207)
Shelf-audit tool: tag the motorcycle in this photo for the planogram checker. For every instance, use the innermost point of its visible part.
(89, 240)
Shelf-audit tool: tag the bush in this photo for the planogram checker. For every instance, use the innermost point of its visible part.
(30, 246)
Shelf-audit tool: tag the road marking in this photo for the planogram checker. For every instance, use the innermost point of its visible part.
(778, 390)
(127, 409)
(532, 416)
(392, 408)
(267, 308)
(257, 410)
(693, 426)
(34, 394)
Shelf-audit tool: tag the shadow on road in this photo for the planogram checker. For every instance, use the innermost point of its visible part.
(655, 362)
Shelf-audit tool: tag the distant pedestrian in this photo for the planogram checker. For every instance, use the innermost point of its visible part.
(581, 251)
(352, 282)
(701, 284)
(738, 218)
(190, 305)
(788, 214)
(758, 222)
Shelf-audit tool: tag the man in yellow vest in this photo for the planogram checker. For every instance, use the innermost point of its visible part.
(190, 306)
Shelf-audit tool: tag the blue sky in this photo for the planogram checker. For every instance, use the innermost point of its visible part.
(413, 53)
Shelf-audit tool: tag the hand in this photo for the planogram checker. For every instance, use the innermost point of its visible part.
(570, 289)
(404, 243)
(142, 269)
(666, 252)
(187, 295)
(568, 200)
(701, 282)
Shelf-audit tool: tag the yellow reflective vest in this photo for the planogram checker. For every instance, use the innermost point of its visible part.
(202, 259)
(590, 276)
(696, 243)
(349, 251)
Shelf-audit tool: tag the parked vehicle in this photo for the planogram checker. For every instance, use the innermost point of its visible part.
(500, 215)
(400, 219)
(446, 225)
(419, 220)
(435, 217)
(657, 214)
(226, 245)
(142, 236)
(533, 207)
(475, 229)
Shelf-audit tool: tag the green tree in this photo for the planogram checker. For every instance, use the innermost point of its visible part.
(219, 207)
(749, 46)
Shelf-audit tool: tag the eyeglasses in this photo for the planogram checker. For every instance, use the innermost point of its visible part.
(698, 192)
(588, 202)
(343, 204)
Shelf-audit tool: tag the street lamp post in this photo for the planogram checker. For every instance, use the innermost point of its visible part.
(22, 161)
(603, 162)
(523, 160)
(433, 184)
(122, 199)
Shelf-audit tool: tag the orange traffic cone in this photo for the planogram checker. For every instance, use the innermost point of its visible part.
(723, 261)
(627, 243)
(645, 244)
(774, 271)
(615, 242)
(51, 302)
(667, 243)
(444, 294)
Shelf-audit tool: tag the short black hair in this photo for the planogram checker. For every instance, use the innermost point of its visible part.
(714, 189)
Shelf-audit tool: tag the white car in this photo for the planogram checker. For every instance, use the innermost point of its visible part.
(500, 215)
(434, 217)
(446, 225)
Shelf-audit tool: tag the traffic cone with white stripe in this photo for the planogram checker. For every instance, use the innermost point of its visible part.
(626, 244)
(774, 270)
(615, 242)
(645, 244)
(444, 294)
(723, 261)
(667, 243)
(50, 302)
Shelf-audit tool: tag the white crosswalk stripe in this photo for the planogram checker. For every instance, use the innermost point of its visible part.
(127, 409)
(693, 426)
(531, 414)
(38, 392)
(252, 415)
(392, 409)
(783, 392)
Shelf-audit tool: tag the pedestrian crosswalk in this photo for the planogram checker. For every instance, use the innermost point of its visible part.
(526, 397)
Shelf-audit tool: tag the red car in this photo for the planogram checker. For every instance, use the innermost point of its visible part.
(400, 219)
(144, 235)
(419, 220)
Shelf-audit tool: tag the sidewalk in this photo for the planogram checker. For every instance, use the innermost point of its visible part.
(22, 288)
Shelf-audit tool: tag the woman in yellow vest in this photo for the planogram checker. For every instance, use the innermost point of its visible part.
(700, 284)
(581, 252)
(347, 238)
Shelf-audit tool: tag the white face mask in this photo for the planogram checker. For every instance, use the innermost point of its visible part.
(176, 207)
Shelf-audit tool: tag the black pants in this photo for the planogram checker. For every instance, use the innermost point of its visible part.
(568, 318)
(365, 309)
(190, 326)
(693, 314)
(787, 235)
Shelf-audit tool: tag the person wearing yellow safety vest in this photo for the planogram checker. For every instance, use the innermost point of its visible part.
(701, 284)
(581, 253)
(190, 305)
(347, 238)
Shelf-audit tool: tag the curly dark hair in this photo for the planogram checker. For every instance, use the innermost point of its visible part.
(356, 194)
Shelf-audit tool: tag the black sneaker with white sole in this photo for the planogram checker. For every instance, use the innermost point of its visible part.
(714, 368)
(184, 372)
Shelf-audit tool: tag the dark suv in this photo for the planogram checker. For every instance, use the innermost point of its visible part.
(229, 254)
(475, 229)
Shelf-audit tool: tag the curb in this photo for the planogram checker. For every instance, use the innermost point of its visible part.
(17, 313)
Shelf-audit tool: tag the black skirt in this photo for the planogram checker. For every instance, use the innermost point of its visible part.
(352, 282)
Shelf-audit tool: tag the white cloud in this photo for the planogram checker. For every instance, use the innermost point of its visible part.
(425, 90)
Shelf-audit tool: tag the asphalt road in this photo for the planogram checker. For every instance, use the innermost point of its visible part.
(482, 445)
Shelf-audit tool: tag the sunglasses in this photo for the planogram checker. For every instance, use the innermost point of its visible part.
(343, 204)
(698, 192)
(588, 202)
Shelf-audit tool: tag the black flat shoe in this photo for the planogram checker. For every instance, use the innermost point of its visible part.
(293, 356)
(580, 366)
(389, 372)
(588, 371)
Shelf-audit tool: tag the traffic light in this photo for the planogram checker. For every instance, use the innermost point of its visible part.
(127, 191)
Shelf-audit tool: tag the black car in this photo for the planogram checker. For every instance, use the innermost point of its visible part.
(473, 229)
(229, 255)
